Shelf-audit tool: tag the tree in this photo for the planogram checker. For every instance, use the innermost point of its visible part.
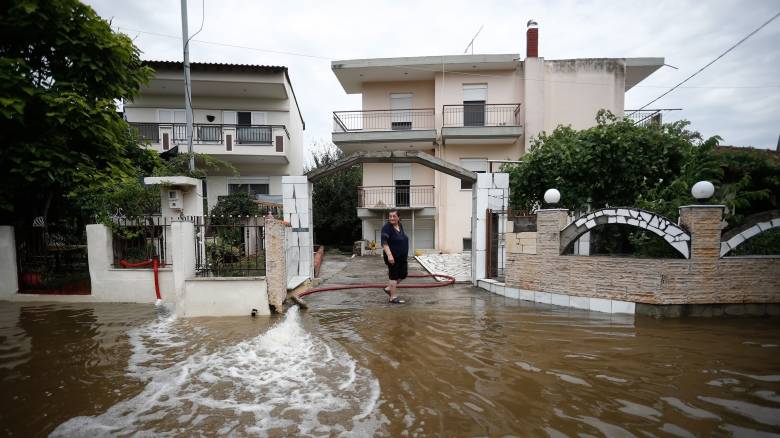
(612, 163)
(617, 163)
(335, 200)
(62, 69)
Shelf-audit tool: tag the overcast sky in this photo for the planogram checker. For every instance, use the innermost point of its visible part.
(737, 98)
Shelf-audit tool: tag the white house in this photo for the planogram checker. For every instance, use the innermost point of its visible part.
(247, 115)
(471, 110)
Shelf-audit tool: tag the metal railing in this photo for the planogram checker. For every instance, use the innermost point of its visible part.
(477, 114)
(140, 239)
(229, 246)
(646, 117)
(395, 196)
(383, 120)
(205, 133)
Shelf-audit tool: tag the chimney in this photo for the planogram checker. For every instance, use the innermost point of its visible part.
(532, 40)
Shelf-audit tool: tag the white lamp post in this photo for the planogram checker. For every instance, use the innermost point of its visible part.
(703, 190)
(552, 196)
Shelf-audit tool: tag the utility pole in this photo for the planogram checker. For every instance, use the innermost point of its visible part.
(187, 83)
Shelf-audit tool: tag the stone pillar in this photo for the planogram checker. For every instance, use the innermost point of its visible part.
(276, 262)
(183, 244)
(549, 223)
(490, 192)
(704, 224)
(9, 276)
(100, 256)
(296, 198)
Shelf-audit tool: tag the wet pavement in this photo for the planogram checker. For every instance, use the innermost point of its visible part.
(454, 361)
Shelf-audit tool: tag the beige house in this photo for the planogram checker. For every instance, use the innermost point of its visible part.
(471, 110)
(246, 115)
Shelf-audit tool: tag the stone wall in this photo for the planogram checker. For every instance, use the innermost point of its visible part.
(705, 278)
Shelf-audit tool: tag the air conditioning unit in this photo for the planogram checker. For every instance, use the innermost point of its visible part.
(175, 200)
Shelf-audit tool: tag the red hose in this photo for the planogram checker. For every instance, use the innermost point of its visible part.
(450, 280)
(155, 268)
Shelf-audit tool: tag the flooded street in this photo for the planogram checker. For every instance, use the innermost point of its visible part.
(455, 361)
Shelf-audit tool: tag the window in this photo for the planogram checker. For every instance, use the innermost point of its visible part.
(244, 118)
(466, 244)
(171, 116)
(474, 98)
(478, 165)
(400, 103)
(251, 189)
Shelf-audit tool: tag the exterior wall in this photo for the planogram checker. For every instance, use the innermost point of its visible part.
(224, 296)
(454, 221)
(376, 95)
(705, 278)
(570, 92)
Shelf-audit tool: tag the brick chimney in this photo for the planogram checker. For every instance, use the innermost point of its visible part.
(532, 40)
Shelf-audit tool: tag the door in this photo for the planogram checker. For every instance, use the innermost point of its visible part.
(423, 234)
(474, 98)
(402, 177)
(401, 105)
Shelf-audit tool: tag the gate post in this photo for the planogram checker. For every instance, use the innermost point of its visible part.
(9, 276)
(296, 198)
(184, 258)
(490, 192)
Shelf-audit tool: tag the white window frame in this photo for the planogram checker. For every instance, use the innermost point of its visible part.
(474, 87)
(172, 115)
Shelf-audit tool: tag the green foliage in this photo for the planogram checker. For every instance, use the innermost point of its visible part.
(61, 70)
(335, 200)
(236, 204)
(608, 164)
(204, 163)
(766, 243)
(653, 167)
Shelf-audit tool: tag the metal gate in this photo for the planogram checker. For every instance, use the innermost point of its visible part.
(495, 251)
(52, 258)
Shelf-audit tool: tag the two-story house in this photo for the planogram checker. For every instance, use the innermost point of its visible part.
(471, 110)
(247, 115)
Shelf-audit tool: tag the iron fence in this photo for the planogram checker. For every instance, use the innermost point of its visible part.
(229, 246)
(384, 120)
(395, 196)
(139, 239)
(481, 114)
(647, 117)
(205, 133)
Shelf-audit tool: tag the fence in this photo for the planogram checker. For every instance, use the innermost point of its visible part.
(208, 132)
(383, 120)
(229, 246)
(647, 117)
(395, 196)
(481, 114)
(141, 238)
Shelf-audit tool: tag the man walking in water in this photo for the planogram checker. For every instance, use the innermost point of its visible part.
(395, 246)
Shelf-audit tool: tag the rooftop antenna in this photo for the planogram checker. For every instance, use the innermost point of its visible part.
(471, 43)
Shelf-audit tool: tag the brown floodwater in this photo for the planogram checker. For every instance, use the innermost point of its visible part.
(455, 361)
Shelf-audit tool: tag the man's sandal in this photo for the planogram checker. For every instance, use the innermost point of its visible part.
(397, 300)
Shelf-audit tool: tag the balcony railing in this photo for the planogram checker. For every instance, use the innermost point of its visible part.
(475, 114)
(205, 133)
(646, 117)
(383, 120)
(395, 196)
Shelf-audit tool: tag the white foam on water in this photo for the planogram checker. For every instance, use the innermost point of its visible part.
(284, 381)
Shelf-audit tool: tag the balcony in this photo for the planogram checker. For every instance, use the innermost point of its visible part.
(401, 197)
(235, 143)
(485, 123)
(647, 117)
(372, 130)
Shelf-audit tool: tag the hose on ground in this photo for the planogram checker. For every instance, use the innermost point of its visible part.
(449, 280)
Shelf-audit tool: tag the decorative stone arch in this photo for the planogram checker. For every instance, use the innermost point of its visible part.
(675, 235)
(753, 226)
(394, 157)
